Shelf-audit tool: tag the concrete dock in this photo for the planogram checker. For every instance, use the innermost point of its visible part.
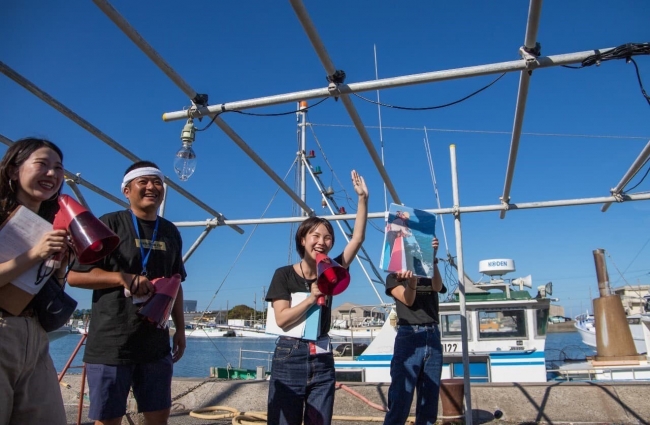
(552, 403)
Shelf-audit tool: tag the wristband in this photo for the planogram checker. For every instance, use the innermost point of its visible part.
(435, 261)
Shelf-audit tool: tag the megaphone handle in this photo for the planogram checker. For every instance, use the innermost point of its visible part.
(321, 300)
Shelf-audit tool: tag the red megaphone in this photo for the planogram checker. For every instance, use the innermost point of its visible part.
(159, 307)
(91, 239)
(332, 278)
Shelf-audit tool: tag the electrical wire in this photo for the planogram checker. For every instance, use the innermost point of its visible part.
(624, 51)
(279, 114)
(335, 176)
(429, 108)
(523, 133)
(640, 181)
(214, 117)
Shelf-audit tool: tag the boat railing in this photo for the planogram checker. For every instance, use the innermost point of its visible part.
(244, 353)
(604, 374)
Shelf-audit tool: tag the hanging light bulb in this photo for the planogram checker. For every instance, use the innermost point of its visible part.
(185, 160)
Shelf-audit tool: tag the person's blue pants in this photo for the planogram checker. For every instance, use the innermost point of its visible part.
(301, 386)
(416, 367)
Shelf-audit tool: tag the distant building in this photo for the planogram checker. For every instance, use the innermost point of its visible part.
(354, 314)
(189, 305)
(556, 310)
(632, 297)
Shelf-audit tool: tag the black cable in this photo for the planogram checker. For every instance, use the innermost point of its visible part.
(281, 113)
(428, 108)
(209, 124)
(642, 178)
(624, 51)
(260, 115)
(638, 77)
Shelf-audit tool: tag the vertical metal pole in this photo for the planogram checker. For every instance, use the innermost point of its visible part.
(80, 408)
(303, 152)
(461, 287)
(601, 272)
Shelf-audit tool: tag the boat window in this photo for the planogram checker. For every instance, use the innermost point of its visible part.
(495, 324)
(450, 326)
(541, 319)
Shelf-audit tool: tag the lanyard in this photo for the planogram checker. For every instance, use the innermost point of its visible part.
(144, 257)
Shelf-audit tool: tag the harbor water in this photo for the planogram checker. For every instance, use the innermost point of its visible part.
(203, 353)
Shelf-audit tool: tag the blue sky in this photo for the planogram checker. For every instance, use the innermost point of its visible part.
(247, 49)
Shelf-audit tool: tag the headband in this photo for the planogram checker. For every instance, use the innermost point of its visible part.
(139, 172)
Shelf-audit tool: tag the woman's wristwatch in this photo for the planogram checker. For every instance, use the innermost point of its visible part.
(435, 261)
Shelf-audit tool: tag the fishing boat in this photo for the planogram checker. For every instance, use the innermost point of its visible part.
(585, 325)
(505, 341)
(225, 331)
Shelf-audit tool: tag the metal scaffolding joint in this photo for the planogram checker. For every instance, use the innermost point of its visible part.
(619, 196)
(505, 203)
(530, 57)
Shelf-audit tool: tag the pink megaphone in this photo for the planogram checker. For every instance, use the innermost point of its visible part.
(159, 307)
(91, 239)
(332, 278)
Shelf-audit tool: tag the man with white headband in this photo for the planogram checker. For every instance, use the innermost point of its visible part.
(122, 350)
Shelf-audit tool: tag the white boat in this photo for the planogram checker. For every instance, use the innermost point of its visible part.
(586, 326)
(506, 339)
(225, 331)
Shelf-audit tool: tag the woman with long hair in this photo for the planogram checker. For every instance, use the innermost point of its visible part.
(31, 176)
(301, 389)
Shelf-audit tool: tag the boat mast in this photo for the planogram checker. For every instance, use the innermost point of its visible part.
(302, 125)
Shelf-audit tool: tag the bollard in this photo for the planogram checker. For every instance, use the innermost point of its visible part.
(260, 373)
(452, 392)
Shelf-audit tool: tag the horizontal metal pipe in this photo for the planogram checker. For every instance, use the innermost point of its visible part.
(474, 209)
(385, 83)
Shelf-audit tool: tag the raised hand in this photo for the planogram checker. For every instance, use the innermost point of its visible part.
(359, 184)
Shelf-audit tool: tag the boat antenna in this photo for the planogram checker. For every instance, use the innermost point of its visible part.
(381, 133)
(427, 148)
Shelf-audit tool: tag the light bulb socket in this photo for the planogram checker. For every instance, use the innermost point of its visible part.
(188, 132)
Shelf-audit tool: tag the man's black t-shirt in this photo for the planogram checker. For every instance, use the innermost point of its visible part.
(286, 282)
(425, 306)
(116, 335)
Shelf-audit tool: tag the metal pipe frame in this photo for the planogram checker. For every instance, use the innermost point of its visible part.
(461, 286)
(263, 165)
(196, 243)
(45, 97)
(76, 178)
(321, 51)
(471, 209)
(385, 83)
(629, 174)
(77, 193)
(530, 42)
(167, 69)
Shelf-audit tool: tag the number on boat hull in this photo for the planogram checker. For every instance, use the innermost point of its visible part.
(449, 348)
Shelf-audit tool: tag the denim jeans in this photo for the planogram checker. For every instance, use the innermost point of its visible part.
(301, 386)
(416, 366)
